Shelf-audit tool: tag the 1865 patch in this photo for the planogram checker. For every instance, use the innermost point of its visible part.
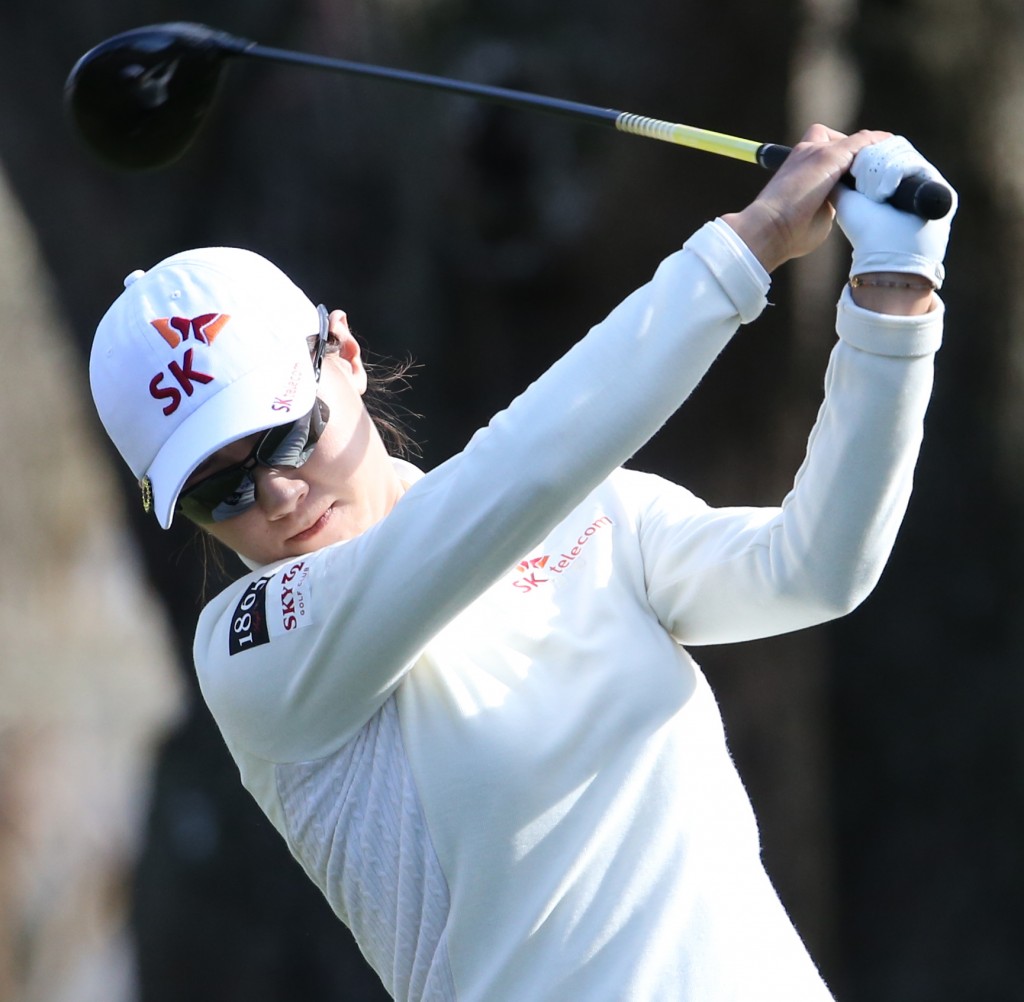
(273, 606)
(249, 627)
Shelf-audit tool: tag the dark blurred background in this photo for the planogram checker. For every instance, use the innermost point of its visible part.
(884, 753)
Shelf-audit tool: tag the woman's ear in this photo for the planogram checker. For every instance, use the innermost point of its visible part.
(348, 354)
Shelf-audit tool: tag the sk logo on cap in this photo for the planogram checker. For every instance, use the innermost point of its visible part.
(175, 331)
(203, 328)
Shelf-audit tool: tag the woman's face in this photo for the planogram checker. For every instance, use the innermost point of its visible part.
(346, 485)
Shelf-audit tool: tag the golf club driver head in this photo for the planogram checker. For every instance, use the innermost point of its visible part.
(139, 99)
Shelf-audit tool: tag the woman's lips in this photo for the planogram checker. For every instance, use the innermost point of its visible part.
(312, 530)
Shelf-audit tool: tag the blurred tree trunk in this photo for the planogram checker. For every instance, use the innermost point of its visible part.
(87, 681)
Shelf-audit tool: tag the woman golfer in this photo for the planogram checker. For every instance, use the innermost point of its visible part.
(464, 697)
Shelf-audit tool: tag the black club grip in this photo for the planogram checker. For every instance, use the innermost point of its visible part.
(924, 198)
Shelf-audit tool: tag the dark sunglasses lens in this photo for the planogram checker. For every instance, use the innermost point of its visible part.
(230, 492)
(292, 444)
(219, 496)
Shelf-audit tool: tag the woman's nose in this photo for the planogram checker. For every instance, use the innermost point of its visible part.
(278, 491)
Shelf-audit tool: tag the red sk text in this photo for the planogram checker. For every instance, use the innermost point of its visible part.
(185, 375)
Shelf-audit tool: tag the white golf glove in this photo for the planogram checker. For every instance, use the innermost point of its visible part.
(885, 238)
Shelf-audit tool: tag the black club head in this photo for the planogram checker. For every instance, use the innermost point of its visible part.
(139, 98)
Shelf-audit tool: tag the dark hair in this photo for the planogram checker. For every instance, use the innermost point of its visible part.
(386, 378)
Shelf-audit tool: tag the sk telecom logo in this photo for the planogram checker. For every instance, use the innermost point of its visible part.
(529, 568)
(175, 330)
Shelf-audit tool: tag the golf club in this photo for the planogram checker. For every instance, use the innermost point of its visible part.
(140, 98)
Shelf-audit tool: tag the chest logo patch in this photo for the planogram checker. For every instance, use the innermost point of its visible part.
(533, 572)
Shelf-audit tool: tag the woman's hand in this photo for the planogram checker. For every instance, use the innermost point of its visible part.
(793, 215)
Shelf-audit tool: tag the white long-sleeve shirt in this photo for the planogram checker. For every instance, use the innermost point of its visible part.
(476, 724)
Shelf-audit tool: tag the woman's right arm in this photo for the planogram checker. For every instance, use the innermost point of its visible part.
(372, 603)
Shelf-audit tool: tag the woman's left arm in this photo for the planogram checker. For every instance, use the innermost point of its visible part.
(727, 575)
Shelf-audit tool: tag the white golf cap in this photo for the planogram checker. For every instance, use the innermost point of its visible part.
(206, 347)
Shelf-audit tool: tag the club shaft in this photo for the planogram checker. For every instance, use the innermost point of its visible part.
(690, 136)
(638, 125)
(925, 198)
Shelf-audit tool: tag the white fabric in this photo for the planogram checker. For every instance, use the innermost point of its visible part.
(549, 810)
(356, 824)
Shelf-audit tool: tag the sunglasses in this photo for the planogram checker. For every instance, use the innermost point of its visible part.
(231, 491)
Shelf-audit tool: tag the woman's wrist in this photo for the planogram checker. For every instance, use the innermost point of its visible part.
(895, 293)
(758, 229)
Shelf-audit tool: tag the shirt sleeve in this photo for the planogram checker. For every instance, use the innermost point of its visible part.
(733, 574)
(300, 686)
